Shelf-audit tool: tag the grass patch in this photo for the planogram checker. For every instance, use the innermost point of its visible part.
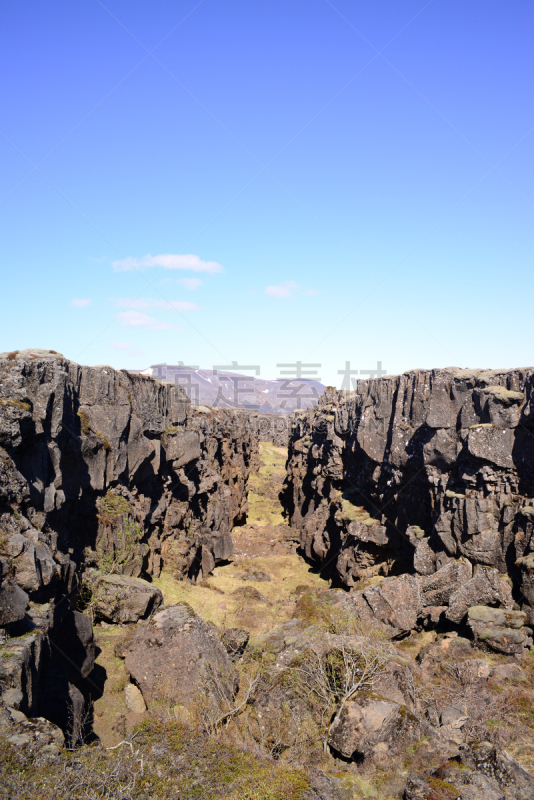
(85, 422)
(8, 402)
(109, 707)
(105, 441)
(264, 506)
(217, 602)
(114, 504)
(166, 760)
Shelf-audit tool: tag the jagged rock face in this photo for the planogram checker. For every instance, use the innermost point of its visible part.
(273, 428)
(119, 466)
(409, 472)
(101, 468)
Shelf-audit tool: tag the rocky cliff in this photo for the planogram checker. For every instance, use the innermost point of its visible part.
(120, 467)
(100, 468)
(409, 472)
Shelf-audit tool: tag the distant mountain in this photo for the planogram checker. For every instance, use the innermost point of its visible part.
(211, 387)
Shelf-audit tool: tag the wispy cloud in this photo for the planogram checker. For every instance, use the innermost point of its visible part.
(288, 289)
(136, 319)
(146, 303)
(127, 347)
(167, 261)
(190, 283)
(81, 302)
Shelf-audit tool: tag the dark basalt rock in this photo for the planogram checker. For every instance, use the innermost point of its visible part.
(118, 467)
(100, 468)
(411, 472)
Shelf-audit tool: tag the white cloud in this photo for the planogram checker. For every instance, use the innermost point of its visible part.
(127, 347)
(289, 289)
(135, 319)
(167, 261)
(190, 283)
(81, 302)
(145, 302)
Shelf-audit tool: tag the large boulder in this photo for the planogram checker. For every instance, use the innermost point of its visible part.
(396, 603)
(178, 659)
(436, 589)
(13, 603)
(373, 727)
(118, 598)
(499, 629)
(486, 588)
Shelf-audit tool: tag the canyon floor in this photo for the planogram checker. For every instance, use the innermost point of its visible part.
(262, 586)
(256, 590)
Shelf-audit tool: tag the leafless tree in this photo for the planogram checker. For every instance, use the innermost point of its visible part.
(330, 679)
(218, 714)
(79, 724)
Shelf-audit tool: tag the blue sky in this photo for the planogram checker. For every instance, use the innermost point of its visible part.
(268, 182)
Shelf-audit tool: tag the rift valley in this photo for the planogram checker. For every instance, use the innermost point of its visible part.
(191, 610)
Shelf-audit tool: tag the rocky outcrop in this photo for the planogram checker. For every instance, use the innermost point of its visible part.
(410, 472)
(373, 727)
(179, 659)
(120, 599)
(112, 475)
(121, 471)
(481, 770)
(273, 428)
(43, 662)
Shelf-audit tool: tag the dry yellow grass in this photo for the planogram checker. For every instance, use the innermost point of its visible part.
(264, 505)
(217, 602)
(111, 705)
(225, 597)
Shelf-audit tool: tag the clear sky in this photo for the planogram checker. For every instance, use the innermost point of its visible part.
(269, 181)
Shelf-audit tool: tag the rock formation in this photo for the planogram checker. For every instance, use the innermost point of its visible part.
(177, 657)
(415, 494)
(274, 429)
(411, 472)
(120, 469)
(107, 475)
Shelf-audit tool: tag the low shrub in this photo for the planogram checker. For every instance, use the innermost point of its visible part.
(162, 759)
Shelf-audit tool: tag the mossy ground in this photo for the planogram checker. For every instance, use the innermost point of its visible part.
(219, 599)
(166, 760)
(110, 678)
(264, 505)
